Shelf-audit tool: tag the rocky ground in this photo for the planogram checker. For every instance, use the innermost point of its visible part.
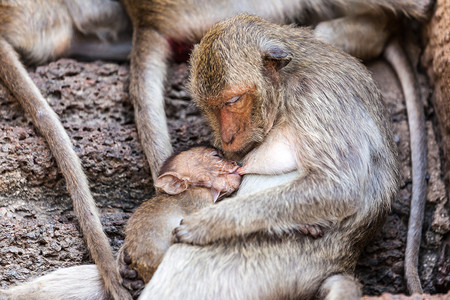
(38, 229)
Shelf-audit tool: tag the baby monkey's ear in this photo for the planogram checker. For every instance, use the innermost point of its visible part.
(172, 183)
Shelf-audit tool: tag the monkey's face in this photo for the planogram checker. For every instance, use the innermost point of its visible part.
(233, 114)
(209, 169)
(203, 167)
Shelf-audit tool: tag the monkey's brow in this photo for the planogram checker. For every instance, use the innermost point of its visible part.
(216, 102)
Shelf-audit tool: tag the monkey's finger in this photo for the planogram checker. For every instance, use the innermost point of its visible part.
(133, 285)
(127, 258)
(312, 231)
(128, 273)
(137, 284)
(315, 231)
(319, 230)
(303, 229)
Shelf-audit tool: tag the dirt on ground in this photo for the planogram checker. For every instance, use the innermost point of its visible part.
(39, 232)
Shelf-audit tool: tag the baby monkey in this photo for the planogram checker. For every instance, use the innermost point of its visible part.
(189, 181)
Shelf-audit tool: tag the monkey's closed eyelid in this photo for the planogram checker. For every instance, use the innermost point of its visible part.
(234, 99)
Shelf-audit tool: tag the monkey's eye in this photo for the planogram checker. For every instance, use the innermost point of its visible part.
(233, 100)
(216, 154)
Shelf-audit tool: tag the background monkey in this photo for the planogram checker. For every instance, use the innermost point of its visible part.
(243, 247)
(155, 23)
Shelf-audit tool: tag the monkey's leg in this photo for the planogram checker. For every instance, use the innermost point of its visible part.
(148, 70)
(339, 287)
(413, 8)
(75, 283)
(104, 30)
(17, 80)
(130, 276)
(102, 18)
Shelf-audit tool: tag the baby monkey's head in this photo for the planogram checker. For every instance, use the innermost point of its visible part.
(201, 167)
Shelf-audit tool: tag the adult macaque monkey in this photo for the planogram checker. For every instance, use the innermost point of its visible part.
(42, 30)
(362, 28)
(254, 79)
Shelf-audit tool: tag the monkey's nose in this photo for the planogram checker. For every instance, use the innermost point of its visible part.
(227, 138)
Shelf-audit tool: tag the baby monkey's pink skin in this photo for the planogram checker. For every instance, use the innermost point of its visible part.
(201, 167)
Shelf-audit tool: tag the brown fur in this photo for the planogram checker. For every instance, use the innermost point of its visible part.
(149, 230)
(364, 29)
(242, 248)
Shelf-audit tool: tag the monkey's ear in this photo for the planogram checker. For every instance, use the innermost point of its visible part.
(276, 58)
(171, 183)
(216, 194)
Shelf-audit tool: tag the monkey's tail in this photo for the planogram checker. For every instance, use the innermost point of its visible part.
(395, 55)
(74, 283)
(17, 80)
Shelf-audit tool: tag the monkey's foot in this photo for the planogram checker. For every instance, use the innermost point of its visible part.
(130, 276)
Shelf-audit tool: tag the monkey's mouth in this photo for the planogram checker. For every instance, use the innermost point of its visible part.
(234, 170)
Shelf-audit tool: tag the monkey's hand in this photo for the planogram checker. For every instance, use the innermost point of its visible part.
(191, 231)
(197, 235)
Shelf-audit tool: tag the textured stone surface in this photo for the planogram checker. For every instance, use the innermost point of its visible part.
(387, 296)
(436, 61)
(38, 231)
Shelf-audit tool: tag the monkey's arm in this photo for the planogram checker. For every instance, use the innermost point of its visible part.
(148, 70)
(307, 201)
